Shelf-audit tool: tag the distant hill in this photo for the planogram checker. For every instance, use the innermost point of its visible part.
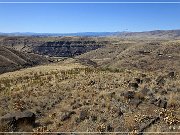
(89, 34)
(170, 34)
(160, 34)
(149, 56)
(11, 59)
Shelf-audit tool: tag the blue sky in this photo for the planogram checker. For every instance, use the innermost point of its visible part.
(70, 18)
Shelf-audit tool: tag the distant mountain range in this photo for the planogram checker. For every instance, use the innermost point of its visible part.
(59, 34)
(174, 34)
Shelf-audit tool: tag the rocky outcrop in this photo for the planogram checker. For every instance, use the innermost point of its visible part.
(19, 121)
(66, 49)
(59, 46)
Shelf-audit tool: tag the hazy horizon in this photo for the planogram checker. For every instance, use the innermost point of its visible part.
(87, 31)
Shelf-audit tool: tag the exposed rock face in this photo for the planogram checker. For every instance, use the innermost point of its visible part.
(59, 46)
(66, 49)
(17, 121)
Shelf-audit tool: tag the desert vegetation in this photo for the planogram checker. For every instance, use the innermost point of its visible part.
(124, 86)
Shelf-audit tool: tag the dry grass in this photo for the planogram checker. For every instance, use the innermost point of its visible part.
(50, 90)
(173, 100)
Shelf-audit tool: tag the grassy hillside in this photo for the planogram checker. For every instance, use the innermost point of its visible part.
(148, 56)
(70, 97)
(11, 59)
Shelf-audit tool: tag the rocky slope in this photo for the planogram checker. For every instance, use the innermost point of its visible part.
(70, 97)
(53, 46)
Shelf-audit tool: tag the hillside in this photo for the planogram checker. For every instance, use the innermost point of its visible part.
(157, 34)
(148, 56)
(123, 85)
(11, 59)
(70, 97)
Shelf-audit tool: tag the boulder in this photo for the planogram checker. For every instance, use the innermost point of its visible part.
(8, 123)
(171, 74)
(17, 121)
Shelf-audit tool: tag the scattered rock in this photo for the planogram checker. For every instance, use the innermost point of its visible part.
(135, 102)
(152, 100)
(147, 80)
(76, 105)
(138, 80)
(94, 118)
(160, 54)
(103, 120)
(161, 103)
(150, 94)
(147, 124)
(160, 80)
(112, 94)
(163, 92)
(83, 115)
(120, 113)
(67, 115)
(171, 74)
(145, 91)
(143, 75)
(129, 94)
(133, 85)
(109, 128)
(91, 82)
(144, 52)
